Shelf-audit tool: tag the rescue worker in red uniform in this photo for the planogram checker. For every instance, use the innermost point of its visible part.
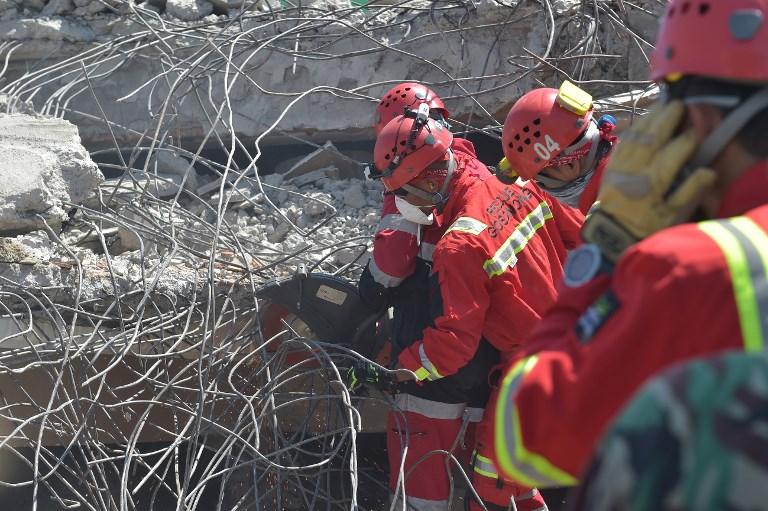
(551, 137)
(491, 279)
(642, 295)
(397, 273)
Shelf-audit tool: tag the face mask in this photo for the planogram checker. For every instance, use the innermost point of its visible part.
(413, 213)
(570, 192)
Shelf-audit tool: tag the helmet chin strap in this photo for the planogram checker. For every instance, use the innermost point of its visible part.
(439, 198)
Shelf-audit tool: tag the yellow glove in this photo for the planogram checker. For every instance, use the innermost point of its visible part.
(634, 199)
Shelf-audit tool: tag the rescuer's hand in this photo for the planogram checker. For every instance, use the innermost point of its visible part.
(634, 201)
(364, 373)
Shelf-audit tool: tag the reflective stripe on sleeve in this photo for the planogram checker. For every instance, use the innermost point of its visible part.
(506, 256)
(468, 225)
(514, 459)
(431, 371)
(396, 222)
(745, 247)
(382, 277)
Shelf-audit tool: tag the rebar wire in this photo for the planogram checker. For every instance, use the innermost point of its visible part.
(137, 367)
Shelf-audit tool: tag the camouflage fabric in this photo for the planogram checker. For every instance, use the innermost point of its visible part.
(694, 438)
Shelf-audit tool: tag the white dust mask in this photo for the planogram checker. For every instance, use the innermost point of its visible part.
(413, 213)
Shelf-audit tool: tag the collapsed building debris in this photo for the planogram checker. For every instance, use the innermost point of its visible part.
(45, 172)
(133, 305)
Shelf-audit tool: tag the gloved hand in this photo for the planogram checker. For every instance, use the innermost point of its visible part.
(634, 201)
(364, 373)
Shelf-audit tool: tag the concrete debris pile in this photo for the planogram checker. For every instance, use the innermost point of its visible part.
(150, 231)
(107, 288)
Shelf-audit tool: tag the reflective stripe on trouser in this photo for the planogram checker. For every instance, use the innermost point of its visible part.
(745, 247)
(427, 486)
(506, 256)
(494, 489)
(514, 460)
(417, 504)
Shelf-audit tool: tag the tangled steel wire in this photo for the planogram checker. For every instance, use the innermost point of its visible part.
(136, 369)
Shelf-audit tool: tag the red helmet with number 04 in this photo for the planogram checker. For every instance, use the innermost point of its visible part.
(407, 95)
(406, 147)
(542, 124)
(725, 39)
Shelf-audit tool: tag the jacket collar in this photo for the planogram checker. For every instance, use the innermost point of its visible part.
(749, 191)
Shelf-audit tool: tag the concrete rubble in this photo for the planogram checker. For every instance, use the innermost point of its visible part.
(52, 174)
(45, 172)
(322, 114)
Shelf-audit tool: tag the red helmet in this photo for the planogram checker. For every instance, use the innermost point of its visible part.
(406, 95)
(541, 124)
(407, 146)
(725, 39)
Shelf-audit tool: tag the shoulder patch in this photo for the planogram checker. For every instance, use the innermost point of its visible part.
(596, 316)
(582, 265)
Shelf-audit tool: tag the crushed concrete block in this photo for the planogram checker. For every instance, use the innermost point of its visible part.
(90, 9)
(44, 170)
(166, 162)
(354, 196)
(226, 5)
(188, 10)
(314, 176)
(37, 5)
(160, 186)
(9, 14)
(52, 29)
(327, 156)
(57, 7)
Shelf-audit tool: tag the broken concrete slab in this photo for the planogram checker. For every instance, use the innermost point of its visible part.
(160, 186)
(188, 10)
(627, 105)
(167, 162)
(314, 176)
(44, 169)
(327, 156)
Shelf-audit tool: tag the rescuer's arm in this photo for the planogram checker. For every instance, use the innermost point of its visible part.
(598, 344)
(459, 288)
(395, 247)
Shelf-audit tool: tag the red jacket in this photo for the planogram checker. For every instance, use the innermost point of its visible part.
(687, 291)
(396, 244)
(496, 266)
